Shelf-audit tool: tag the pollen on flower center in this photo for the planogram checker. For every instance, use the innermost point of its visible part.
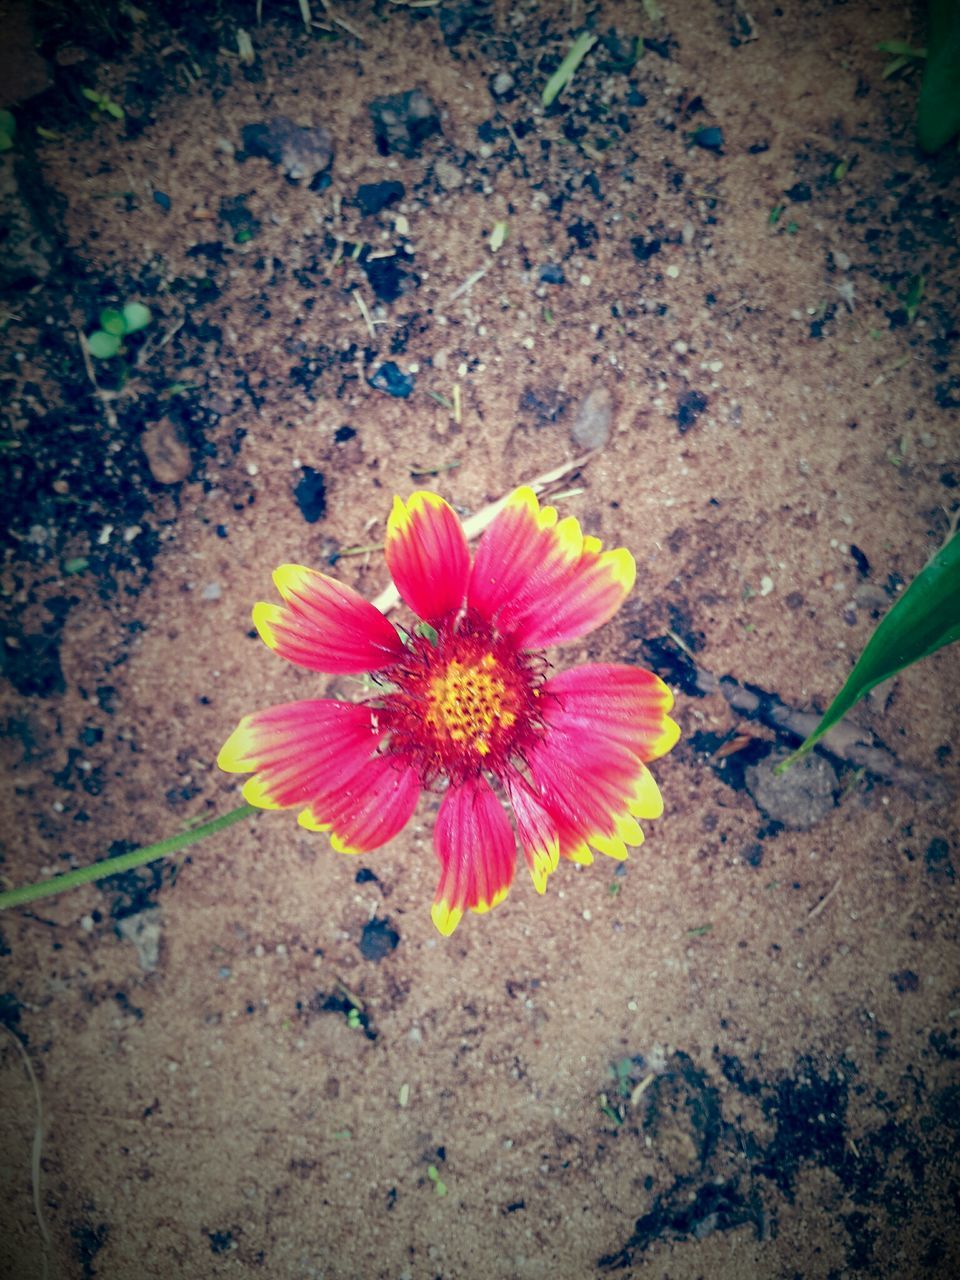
(468, 702)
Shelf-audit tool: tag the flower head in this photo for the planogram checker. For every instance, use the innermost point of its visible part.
(465, 702)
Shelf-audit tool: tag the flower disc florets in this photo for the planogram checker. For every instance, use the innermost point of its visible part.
(464, 702)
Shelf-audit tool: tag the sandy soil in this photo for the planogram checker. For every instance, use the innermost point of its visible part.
(737, 1054)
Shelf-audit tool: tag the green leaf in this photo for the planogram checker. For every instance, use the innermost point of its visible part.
(113, 108)
(103, 345)
(564, 73)
(8, 130)
(923, 620)
(938, 108)
(136, 316)
(113, 322)
(76, 564)
(429, 633)
(91, 95)
(901, 48)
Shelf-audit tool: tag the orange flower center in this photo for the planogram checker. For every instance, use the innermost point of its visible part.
(467, 702)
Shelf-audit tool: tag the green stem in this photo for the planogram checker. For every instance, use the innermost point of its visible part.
(123, 862)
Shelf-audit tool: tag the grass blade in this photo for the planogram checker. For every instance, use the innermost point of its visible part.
(924, 619)
(564, 73)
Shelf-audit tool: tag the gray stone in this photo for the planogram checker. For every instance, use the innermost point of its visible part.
(144, 931)
(303, 152)
(800, 796)
(591, 426)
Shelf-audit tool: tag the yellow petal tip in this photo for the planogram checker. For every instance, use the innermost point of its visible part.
(445, 918)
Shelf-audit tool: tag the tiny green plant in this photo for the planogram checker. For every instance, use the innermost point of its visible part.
(107, 341)
(103, 106)
(8, 130)
(438, 1183)
(353, 1018)
(622, 1071)
(565, 72)
(911, 303)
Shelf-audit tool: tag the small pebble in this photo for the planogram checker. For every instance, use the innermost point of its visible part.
(167, 452)
(673, 271)
(591, 426)
(212, 591)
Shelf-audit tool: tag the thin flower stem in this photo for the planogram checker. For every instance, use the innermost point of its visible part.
(123, 862)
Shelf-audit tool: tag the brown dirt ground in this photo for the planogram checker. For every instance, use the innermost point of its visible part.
(740, 1057)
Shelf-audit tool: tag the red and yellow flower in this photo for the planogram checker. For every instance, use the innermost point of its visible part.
(464, 702)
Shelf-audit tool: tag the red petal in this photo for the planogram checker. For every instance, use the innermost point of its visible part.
(321, 754)
(291, 749)
(368, 809)
(541, 581)
(594, 790)
(621, 704)
(326, 626)
(538, 834)
(427, 555)
(475, 844)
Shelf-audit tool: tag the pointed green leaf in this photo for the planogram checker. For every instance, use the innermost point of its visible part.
(113, 108)
(8, 130)
(938, 108)
(103, 345)
(924, 619)
(91, 95)
(136, 316)
(111, 321)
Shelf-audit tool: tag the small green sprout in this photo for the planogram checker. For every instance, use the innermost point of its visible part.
(106, 342)
(611, 1112)
(622, 1072)
(905, 57)
(353, 1019)
(840, 171)
(775, 214)
(438, 1184)
(914, 297)
(565, 72)
(104, 105)
(8, 130)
